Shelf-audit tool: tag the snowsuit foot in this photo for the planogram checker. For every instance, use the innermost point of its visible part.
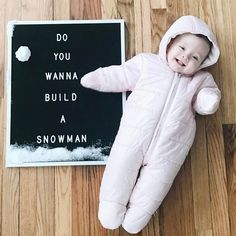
(135, 220)
(111, 214)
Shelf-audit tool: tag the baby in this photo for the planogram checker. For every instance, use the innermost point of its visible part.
(158, 124)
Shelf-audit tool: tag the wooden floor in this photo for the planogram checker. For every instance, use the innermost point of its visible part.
(64, 200)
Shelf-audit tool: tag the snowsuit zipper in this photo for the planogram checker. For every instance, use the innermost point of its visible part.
(164, 114)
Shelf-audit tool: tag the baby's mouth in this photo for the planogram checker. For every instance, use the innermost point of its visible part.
(180, 62)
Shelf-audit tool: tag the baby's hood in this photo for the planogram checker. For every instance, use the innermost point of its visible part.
(190, 24)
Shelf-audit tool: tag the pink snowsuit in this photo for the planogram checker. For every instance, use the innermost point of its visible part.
(157, 128)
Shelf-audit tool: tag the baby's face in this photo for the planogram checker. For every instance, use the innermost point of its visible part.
(186, 53)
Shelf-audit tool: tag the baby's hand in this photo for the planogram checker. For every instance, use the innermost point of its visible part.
(207, 101)
(89, 80)
(85, 81)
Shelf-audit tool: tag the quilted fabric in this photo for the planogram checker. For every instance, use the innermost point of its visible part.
(157, 128)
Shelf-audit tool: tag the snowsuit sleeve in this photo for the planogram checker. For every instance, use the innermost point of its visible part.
(207, 98)
(115, 78)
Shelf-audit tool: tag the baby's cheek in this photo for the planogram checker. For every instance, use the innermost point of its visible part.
(192, 68)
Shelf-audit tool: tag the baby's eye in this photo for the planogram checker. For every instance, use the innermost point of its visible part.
(182, 48)
(195, 58)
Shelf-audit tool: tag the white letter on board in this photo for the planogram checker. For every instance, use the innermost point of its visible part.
(63, 37)
(63, 120)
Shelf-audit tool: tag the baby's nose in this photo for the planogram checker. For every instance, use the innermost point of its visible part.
(185, 58)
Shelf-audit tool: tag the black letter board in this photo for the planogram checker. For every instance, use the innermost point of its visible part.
(52, 119)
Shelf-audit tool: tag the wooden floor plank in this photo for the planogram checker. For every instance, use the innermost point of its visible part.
(80, 201)
(200, 181)
(146, 25)
(217, 175)
(230, 158)
(187, 214)
(83, 9)
(2, 47)
(126, 12)
(28, 202)
(222, 21)
(170, 211)
(10, 177)
(158, 4)
(45, 201)
(158, 27)
(10, 202)
(63, 201)
(61, 10)
(36, 10)
(232, 45)
(94, 179)
(175, 9)
(109, 9)
(177, 208)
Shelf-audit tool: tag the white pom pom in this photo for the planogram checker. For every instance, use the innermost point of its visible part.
(23, 53)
